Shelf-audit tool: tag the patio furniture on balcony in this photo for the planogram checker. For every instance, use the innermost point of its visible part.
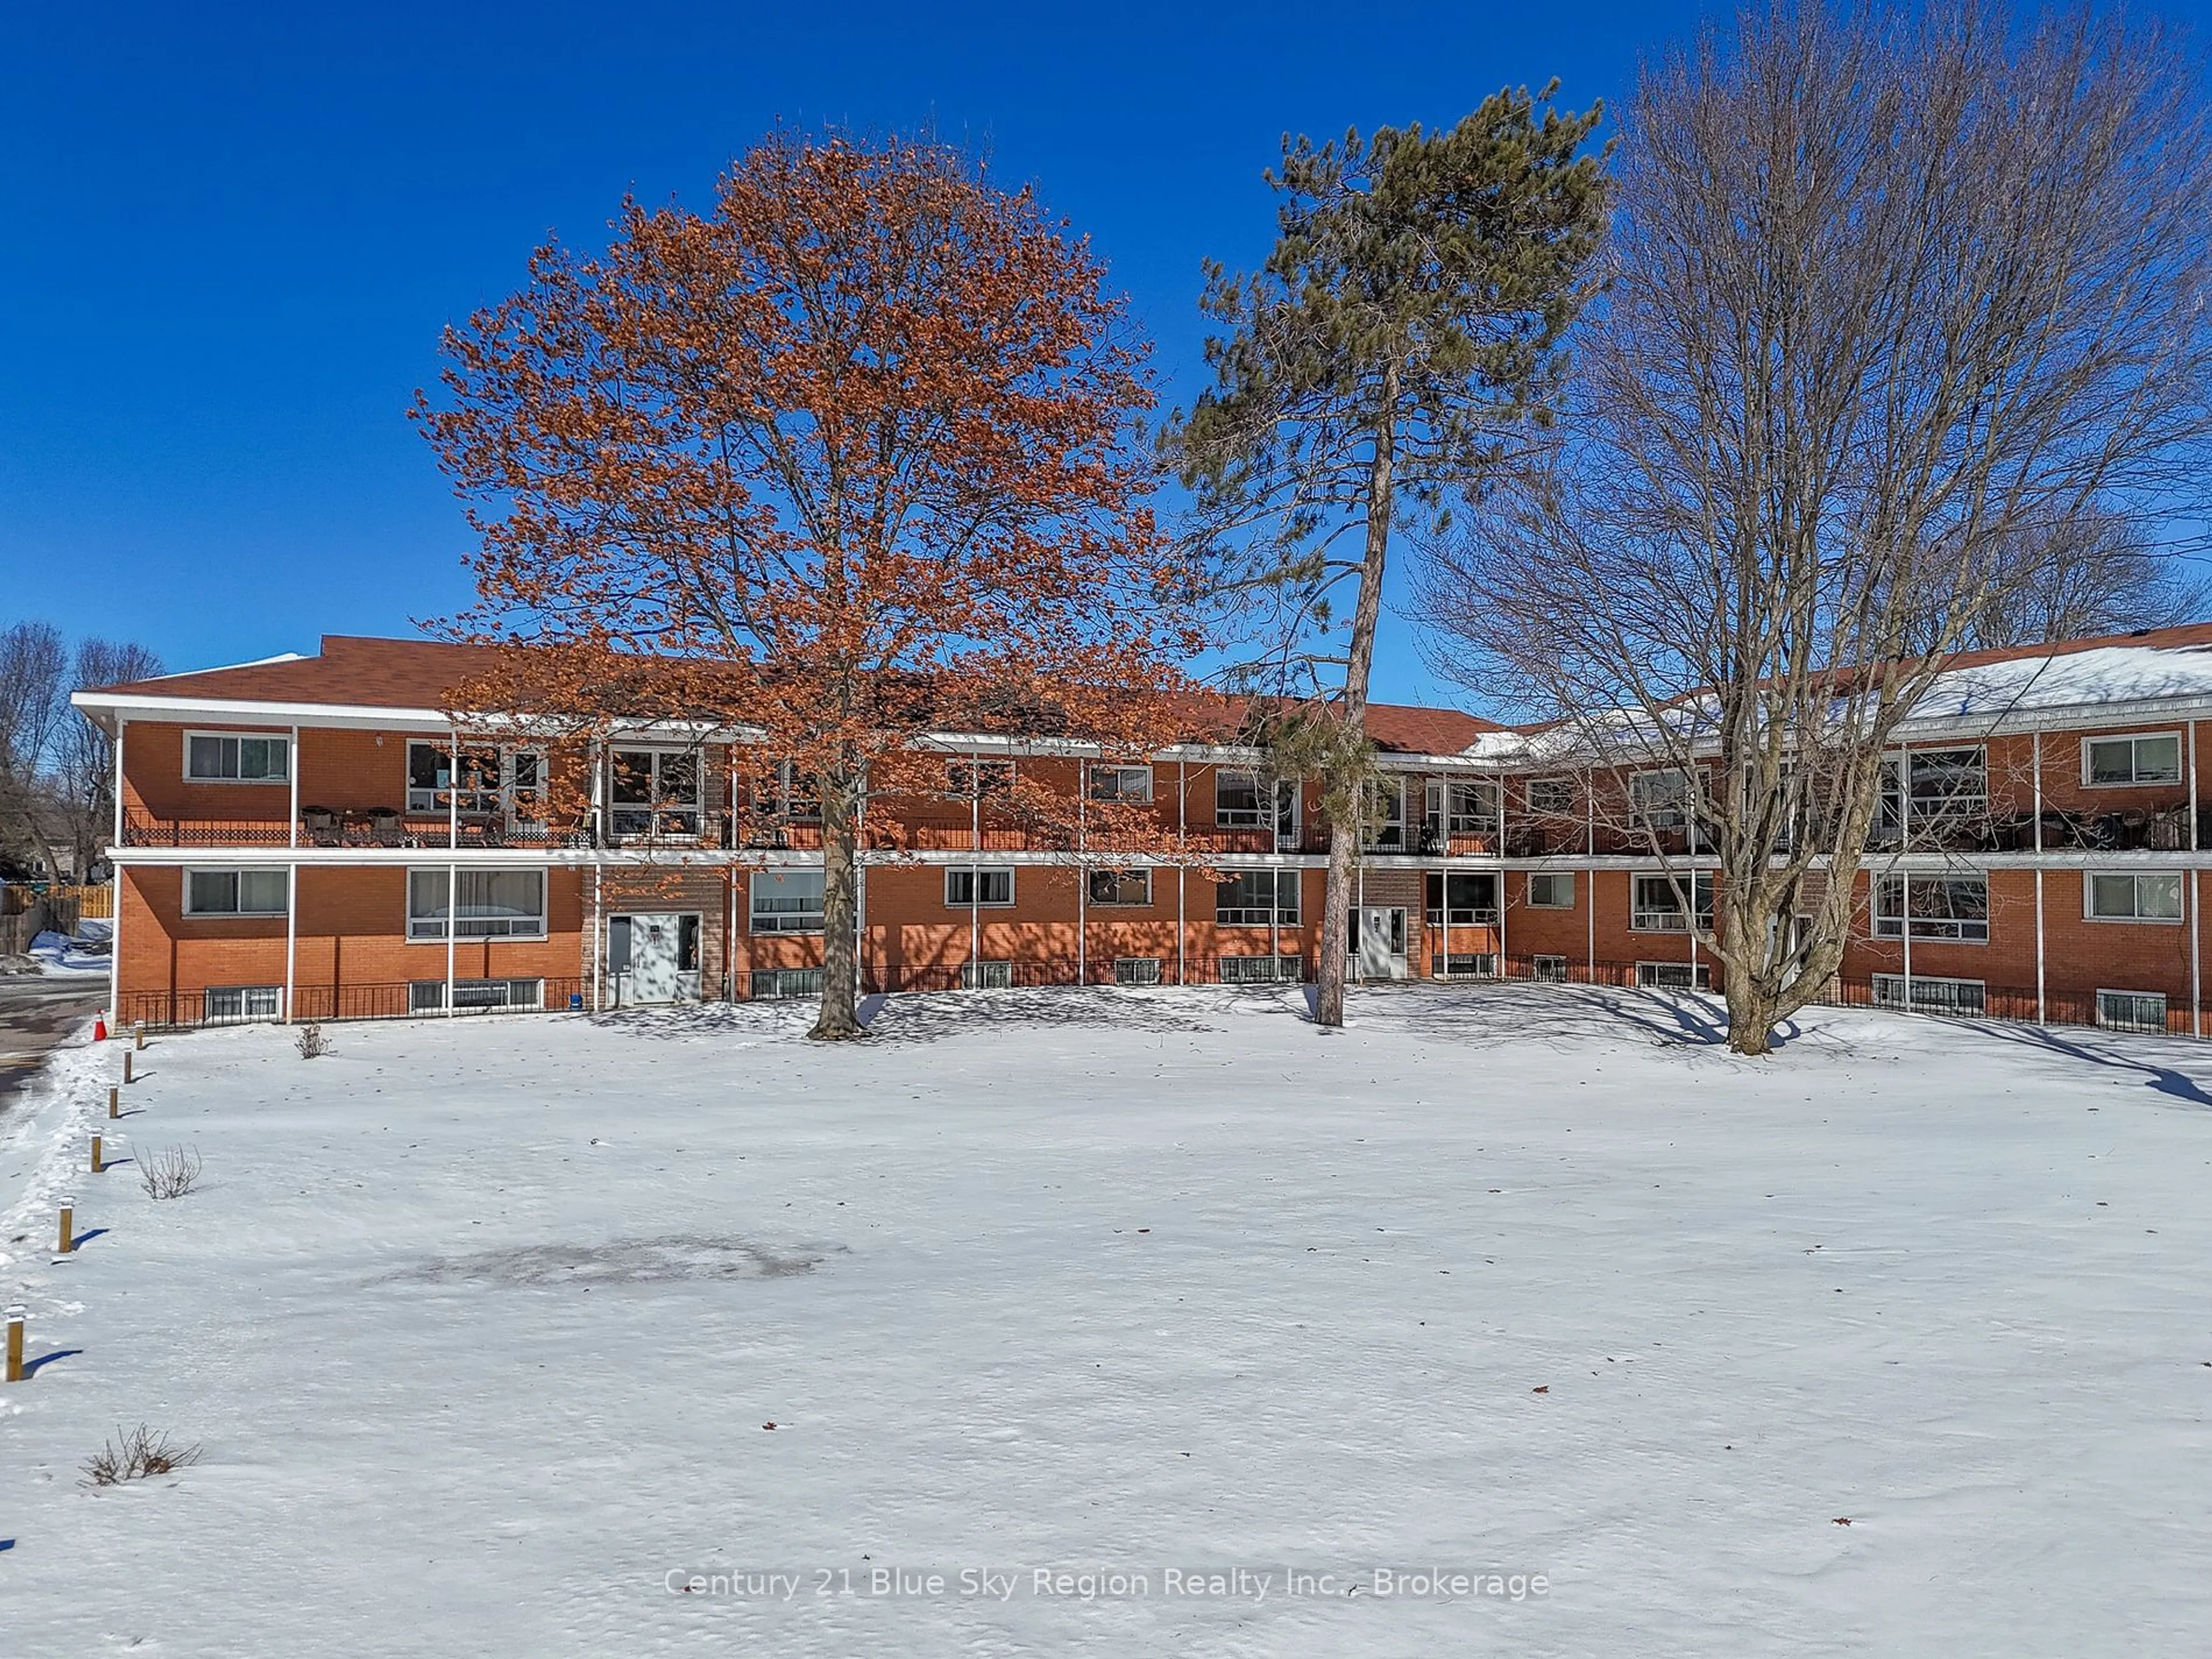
(387, 828)
(2169, 830)
(321, 826)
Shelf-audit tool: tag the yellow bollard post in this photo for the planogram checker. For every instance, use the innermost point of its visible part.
(126, 1065)
(16, 1342)
(115, 1101)
(67, 1237)
(142, 1034)
(97, 1166)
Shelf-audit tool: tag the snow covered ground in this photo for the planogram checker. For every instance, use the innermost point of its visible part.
(482, 1325)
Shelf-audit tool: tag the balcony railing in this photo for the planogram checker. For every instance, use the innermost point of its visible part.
(386, 827)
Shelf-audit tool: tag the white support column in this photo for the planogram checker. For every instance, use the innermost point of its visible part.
(1504, 896)
(596, 956)
(115, 886)
(291, 932)
(860, 891)
(1182, 869)
(453, 915)
(2197, 1003)
(292, 878)
(1905, 851)
(1589, 872)
(120, 724)
(974, 867)
(1443, 906)
(2035, 752)
(1082, 872)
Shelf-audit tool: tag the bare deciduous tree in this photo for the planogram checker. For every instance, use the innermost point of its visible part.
(83, 757)
(2102, 575)
(1893, 297)
(33, 704)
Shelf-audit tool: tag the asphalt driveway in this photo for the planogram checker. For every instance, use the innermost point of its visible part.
(38, 1010)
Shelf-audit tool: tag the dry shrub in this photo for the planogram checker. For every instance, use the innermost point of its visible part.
(313, 1042)
(170, 1174)
(137, 1454)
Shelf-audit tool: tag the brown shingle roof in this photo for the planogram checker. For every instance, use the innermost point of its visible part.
(350, 671)
(354, 672)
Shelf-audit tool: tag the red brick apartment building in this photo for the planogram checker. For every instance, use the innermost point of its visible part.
(309, 838)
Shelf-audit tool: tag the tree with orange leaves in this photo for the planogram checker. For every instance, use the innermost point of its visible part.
(843, 464)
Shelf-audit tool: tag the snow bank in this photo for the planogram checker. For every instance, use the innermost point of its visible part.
(482, 1326)
(57, 953)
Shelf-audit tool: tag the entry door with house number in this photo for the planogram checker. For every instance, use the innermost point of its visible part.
(661, 962)
(1378, 941)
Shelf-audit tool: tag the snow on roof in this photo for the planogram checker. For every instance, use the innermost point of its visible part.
(2105, 674)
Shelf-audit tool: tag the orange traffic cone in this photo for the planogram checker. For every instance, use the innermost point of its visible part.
(100, 1029)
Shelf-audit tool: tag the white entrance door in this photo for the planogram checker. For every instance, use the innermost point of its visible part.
(1378, 941)
(654, 957)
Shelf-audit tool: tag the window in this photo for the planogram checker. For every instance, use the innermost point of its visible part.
(1932, 995)
(2147, 896)
(1131, 785)
(1551, 890)
(1461, 964)
(963, 888)
(219, 757)
(1461, 807)
(235, 1002)
(1472, 900)
(1550, 970)
(1136, 970)
(784, 792)
(1254, 898)
(1656, 906)
(1659, 800)
(967, 779)
(787, 901)
(2108, 763)
(987, 976)
(1121, 887)
(487, 780)
(493, 904)
(1943, 908)
(428, 996)
(1261, 970)
(1552, 797)
(1386, 814)
(1239, 801)
(236, 892)
(1948, 786)
(1674, 976)
(2132, 1010)
(776, 984)
(655, 792)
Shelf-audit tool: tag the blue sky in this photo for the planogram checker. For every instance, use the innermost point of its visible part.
(231, 234)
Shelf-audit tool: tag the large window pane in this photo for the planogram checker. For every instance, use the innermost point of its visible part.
(493, 904)
(787, 901)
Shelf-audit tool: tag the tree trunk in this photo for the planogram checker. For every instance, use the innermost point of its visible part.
(1753, 1015)
(1360, 664)
(1336, 923)
(840, 912)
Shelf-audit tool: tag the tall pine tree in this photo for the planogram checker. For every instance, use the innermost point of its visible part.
(1381, 363)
